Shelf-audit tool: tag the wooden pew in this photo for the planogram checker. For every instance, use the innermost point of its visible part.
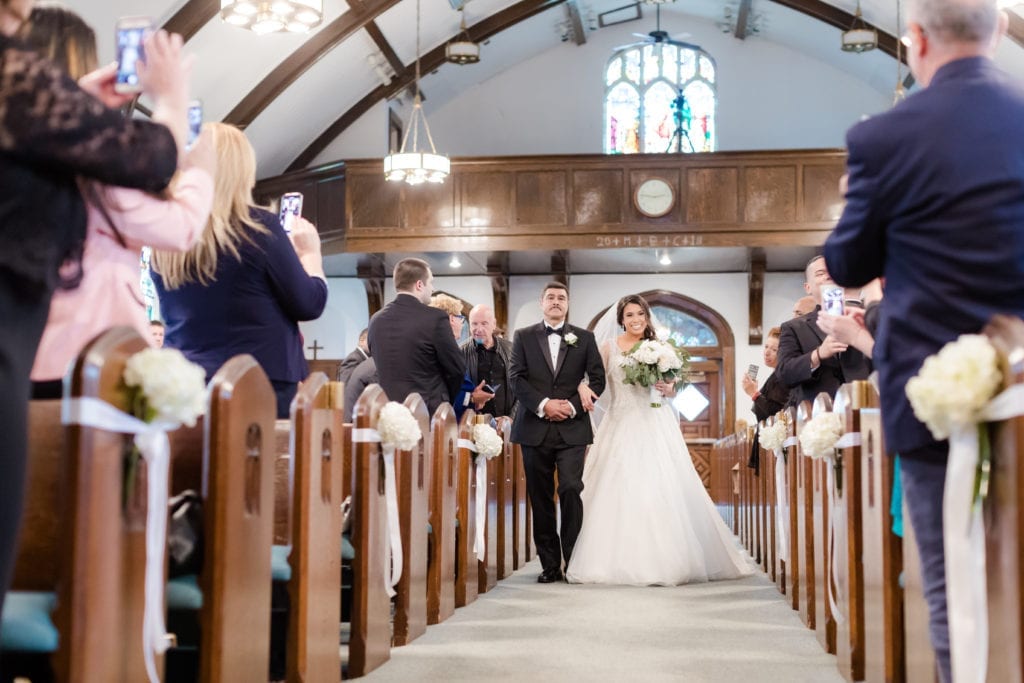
(412, 468)
(883, 555)
(792, 568)
(1004, 519)
(443, 493)
(851, 399)
(522, 527)
(315, 585)
(824, 622)
(370, 644)
(80, 547)
(767, 468)
(806, 521)
(466, 572)
(506, 502)
(487, 569)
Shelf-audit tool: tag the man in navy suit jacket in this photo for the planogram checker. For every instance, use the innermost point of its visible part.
(412, 343)
(936, 205)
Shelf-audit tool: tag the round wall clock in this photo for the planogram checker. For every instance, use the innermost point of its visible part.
(654, 197)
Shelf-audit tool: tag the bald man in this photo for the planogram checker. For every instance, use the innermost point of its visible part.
(803, 306)
(488, 361)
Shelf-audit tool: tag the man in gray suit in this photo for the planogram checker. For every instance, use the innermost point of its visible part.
(488, 362)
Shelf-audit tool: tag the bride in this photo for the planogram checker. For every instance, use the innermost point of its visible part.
(649, 520)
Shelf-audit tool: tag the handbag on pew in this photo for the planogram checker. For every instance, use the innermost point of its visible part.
(185, 534)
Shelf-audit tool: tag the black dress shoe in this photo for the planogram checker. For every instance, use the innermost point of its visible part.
(550, 576)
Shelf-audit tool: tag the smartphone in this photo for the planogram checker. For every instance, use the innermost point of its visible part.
(291, 208)
(832, 300)
(195, 121)
(752, 371)
(492, 388)
(129, 33)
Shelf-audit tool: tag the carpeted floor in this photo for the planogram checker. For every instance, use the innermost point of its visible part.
(523, 631)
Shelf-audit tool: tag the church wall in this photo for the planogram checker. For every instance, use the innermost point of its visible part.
(346, 313)
(770, 97)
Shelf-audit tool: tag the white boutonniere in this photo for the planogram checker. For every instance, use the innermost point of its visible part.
(571, 339)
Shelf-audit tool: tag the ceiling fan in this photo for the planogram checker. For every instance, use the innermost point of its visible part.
(656, 36)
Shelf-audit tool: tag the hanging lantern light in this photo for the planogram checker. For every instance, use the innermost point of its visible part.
(262, 17)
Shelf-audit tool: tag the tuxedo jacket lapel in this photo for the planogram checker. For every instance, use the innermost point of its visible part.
(545, 350)
(563, 348)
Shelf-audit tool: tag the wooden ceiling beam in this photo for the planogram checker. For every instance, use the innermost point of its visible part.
(298, 62)
(1015, 31)
(572, 10)
(192, 16)
(385, 47)
(755, 300)
(742, 17)
(479, 32)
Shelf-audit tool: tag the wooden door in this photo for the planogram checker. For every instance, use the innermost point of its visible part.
(702, 427)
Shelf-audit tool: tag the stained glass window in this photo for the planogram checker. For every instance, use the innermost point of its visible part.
(683, 328)
(660, 97)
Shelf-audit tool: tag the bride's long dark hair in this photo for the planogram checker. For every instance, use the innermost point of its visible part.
(620, 309)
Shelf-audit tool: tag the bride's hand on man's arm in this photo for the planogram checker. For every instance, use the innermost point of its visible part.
(587, 396)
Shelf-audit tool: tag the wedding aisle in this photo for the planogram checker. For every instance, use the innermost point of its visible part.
(524, 631)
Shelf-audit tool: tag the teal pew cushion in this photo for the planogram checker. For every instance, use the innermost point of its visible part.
(280, 570)
(430, 529)
(26, 625)
(183, 593)
(348, 551)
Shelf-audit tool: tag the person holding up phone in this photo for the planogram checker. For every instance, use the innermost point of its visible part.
(42, 217)
(773, 394)
(488, 361)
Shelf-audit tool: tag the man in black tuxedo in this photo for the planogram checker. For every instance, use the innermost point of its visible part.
(411, 342)
(549, 360)
(352, 360)
(809, 360)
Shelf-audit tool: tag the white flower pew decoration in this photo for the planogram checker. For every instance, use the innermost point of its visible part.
(486, 444)
(397, 429)
(954, 394)
(166, 390)
(773, 438)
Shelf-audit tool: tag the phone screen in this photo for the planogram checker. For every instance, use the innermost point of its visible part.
(832, 300)
(129, 52)
(492, 388)
(291, 207)
(752, 371)
(195, 121)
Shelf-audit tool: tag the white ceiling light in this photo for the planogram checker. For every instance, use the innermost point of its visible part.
(462, 50)
(665, 260)
(262, 17)
(455, 262)
(859, 38)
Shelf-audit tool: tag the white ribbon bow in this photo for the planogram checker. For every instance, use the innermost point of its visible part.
(394, 547)
(964, 541)
(151, 440)
(480, 541)
(782, 498)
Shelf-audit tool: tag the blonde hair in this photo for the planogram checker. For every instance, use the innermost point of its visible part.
(448, 304)
(230, 221)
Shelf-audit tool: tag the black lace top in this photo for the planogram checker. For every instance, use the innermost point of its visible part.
(50, 132)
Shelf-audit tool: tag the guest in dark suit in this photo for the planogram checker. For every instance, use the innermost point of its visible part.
(941, 216)
(550, 422)
(773, 395)
(810, 361)
(361, 377)
(412, 343)
(352, 360)
(488, 364)
(246, 284)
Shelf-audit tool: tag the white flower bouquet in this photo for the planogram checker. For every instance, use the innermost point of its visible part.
(771, 437)
(165, 386)
(818, 438)
(397, 427)
(488, 443)
(654, 360)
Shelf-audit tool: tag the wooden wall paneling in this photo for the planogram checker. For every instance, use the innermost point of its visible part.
(373, 202)
(323, 196)
(712, 195)
(541, 198)
(821, 200)
(597, 197)
(769, 194)
(487, 199)
(669, 175)
(428, 206)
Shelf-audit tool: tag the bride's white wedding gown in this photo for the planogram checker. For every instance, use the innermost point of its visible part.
(647, 518)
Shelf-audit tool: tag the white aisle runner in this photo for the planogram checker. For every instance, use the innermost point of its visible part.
(524, 631)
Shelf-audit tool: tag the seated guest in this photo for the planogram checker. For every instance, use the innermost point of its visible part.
(809, 360)
(360, 354)
(246, 285)
(773, 395)
(488, 360)
(361, 377)
(119, 222)
(156, 333)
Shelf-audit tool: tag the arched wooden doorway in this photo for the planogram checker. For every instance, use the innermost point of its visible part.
(707, 406)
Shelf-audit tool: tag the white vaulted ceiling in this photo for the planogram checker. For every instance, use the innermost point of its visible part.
(233, 62)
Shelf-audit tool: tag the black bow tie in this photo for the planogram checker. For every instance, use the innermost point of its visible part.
(550, 330)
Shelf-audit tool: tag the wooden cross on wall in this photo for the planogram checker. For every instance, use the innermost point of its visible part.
(314, 347)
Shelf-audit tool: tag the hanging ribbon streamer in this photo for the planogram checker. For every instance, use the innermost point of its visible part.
(964, 540)
(393, 550)
(782, 497)
(155, 448)
(480, 541)
(838, 530)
